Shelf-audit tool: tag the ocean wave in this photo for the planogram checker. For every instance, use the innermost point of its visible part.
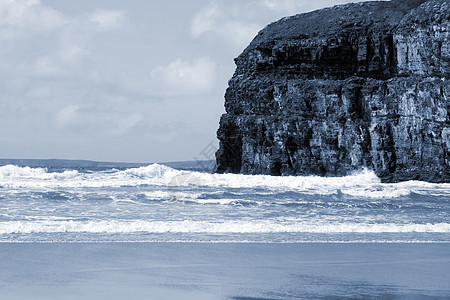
(16, 173)
(150, 171)
(363, 184)
(209, 227)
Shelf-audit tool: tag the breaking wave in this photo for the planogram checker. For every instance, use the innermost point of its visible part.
(15, 173)
(363, 184)
(187, 226)
(115, 226)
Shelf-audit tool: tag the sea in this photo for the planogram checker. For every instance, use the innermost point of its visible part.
(84, 202)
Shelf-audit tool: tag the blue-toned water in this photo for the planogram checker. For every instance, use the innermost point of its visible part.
(54, 201)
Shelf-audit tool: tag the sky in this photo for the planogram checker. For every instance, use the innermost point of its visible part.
(131, 81)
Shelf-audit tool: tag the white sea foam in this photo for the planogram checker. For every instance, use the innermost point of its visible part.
(15, 173)
(150, 171)
(363, 184)
(222, 201)
(209, 227)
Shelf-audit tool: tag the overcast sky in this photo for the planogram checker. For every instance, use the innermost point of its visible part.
(115, 80)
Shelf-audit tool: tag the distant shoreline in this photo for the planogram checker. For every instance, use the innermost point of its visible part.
(192, 165)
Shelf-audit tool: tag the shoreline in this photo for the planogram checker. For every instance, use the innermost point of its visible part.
(396, 242)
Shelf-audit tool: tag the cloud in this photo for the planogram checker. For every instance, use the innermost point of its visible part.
(45, 66)
(128, 122)
(59, 75)
(219, 18)
(205, 20)
(187, 76)
(107, 19)
(67, 115)
(238, 22)
(29, 14)
(59, 42)
(288, 5)
(89, 119)
(295, 7)
(239, 33)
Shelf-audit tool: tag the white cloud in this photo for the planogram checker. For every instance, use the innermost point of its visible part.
(238, 22)
(107, 19)
(205, 20)
(29, 14)
(45, 66)
(218, 17)
(67, 115)
(288, 5)
(73, 46)
(127, 123)
(39, 92)
(295, 6)
(183, 76)
(65, 54)
(45, 43)
(240, 33)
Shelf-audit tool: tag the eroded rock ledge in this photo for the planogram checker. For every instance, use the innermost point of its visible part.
(339, 89)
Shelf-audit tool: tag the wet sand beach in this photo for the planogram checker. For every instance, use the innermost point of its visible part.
(224, 271)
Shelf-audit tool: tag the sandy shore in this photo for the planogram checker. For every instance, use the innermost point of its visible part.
(224, 271)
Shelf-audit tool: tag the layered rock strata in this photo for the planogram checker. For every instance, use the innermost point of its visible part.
(355, 86)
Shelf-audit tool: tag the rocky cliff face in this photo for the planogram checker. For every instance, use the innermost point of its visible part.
(339, 89)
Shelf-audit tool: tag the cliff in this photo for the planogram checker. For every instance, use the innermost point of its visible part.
(342, 88)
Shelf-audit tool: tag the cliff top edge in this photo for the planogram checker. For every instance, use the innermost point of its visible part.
(376, 15)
